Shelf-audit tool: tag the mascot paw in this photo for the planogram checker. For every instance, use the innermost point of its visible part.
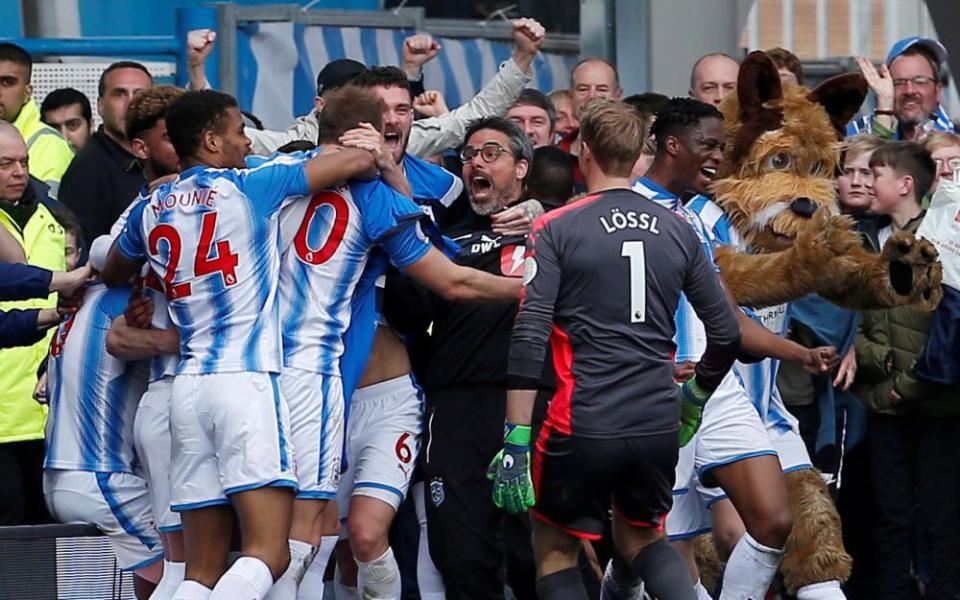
(914, 269)
(828, 237)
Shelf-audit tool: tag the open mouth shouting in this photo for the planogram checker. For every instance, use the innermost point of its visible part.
(481, 186)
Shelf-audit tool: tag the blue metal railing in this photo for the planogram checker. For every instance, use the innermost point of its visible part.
(163, 47)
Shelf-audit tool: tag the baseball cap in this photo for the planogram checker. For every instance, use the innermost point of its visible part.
(337, 73)
(933, 46)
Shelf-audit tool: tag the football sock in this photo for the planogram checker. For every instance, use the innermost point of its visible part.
(664, 572)
(191, 590)
(380, 578)
(429, 579)
(750, 570)
(341, 590)
(173, 573)
(248, 579)
(827, 590)
(286, 587)
(311, 588)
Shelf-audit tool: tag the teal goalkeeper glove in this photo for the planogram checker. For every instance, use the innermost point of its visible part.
(510, 471)
(692, 399)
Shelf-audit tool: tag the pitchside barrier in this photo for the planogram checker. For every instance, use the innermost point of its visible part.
(64, 562)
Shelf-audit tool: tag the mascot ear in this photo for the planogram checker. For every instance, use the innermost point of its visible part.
(841, 96)
(758, 86)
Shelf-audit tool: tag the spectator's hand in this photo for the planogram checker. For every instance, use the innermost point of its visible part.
(847, 371)
(139, 311)
(40, 391)
(68, 304)
(418, 50)
(528, 35)
(821, 360)
(430, 104)
(682, 372)
(518, 219)
(367, 137)
(67, 283)
(49, 317)
(879, 81)
(199, 45)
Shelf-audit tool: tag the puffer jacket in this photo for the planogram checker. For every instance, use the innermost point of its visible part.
(888, 345)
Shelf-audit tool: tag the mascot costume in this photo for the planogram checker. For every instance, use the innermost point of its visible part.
(776, 188)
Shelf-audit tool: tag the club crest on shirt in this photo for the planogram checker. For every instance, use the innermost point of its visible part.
(436, 491)
(511, 261)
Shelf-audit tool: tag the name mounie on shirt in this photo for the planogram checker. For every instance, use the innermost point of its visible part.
(629, 219)
(197, 197)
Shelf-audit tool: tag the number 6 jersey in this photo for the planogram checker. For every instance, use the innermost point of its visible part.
(212, 237)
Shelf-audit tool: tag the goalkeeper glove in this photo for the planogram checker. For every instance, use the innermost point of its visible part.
(510, 471)
(692, 399)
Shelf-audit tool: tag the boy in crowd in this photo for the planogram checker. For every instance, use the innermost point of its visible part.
(913, 423)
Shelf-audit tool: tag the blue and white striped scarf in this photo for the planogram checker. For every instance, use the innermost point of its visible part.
(939, 121)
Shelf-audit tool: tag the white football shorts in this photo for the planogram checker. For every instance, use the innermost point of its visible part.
(151, 439)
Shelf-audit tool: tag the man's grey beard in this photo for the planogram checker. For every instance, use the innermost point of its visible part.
(501, 199)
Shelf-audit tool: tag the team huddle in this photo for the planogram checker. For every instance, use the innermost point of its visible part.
(233, 362)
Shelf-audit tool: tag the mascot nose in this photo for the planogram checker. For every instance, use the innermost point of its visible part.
(803, 207)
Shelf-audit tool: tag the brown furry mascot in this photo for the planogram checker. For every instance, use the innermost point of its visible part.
(776, 188)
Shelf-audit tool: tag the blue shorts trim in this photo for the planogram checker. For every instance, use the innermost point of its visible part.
(254, 486)
(680, 491)
(798, 468)
(316, 496)
(713, 501)
(196, 505)
(143, 563)
(170, 529)
(689, 534)
(116, 507)
(379, 486)
(733, 459)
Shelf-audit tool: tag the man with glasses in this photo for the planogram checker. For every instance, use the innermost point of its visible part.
(464, 375)
(908, 88)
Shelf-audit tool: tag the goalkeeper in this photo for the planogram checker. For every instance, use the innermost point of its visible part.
(603, 278)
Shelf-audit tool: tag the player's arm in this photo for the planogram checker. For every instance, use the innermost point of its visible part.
(331, 168)
(132, 343)
(510, 469)
(461, 284)
(757, 340)
(127, 253)
(709, 300)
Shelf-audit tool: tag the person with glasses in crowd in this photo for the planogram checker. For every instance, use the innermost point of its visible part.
(944, 149)
(908, 88)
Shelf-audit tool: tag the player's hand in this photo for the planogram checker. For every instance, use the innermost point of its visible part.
(200, 43)
(367, 137)
(821, 360)
(518, 219)
(682, 372)
(528, 36)
(418, 50)
(847, 371)
(139, 311)
(880, 82)
(430, 104)
(510, 472)
(692, 400)
(66, 283)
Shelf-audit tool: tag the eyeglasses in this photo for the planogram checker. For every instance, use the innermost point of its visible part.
(919, 81)
(952, 163)
(489, 152)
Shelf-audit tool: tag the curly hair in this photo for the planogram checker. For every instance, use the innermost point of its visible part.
(191, 114)
(149, 106)
(679, 115)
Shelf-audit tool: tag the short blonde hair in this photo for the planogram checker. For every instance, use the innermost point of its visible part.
(615, 134)
(941, 139)
(859, 145)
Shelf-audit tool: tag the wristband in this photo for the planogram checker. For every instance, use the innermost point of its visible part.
(884, 113)
(516, 435)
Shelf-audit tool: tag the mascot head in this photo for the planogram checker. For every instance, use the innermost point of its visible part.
(783, 147)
